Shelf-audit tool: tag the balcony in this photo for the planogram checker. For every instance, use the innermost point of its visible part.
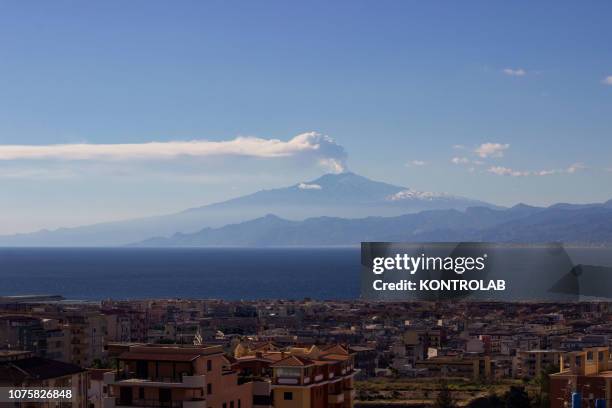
(185, 381)
(287, 380)
(337, 398)
(112, 402)
(200, 403)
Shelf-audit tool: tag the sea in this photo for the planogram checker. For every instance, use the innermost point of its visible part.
(197, 273)
(326, 273)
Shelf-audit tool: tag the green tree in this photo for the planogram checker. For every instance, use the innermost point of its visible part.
(492, 401)
(542, 400)
(517, 397)
(97, 363)
(445, 397)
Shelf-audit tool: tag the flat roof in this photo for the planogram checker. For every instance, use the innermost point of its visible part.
(178, 357)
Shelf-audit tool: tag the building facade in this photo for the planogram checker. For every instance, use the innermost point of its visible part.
(174, 376)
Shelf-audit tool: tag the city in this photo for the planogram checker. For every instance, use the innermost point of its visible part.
(307, 353)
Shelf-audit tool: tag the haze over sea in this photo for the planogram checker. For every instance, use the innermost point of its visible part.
(222, 273)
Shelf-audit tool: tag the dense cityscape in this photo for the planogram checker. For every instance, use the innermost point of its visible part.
(307, 353)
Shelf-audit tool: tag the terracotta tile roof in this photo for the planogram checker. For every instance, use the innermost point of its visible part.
(274, 356)
(254, 358)
(337, 357)
(293, 361)
(262, 346)
(335, 349)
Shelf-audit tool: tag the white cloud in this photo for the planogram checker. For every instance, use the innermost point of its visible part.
(547, 172)
(491, 149)
(459, 147)
(607, 80)
(519, 72)
(575, 167)
(464, 160)
(416, 163)
(505, 171)
(320, 148)
(571, 169)
(304, 186)
(460, 160)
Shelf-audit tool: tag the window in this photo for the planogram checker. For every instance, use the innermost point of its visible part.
(125, 395)
(165, 395)
(289, 372)
(231, 404)
(225, 405)
(209, 388)
(261, 399)
(208, 365)
(288, 396)
(239, 403)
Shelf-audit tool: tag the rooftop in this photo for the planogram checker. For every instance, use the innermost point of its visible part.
(36, 368)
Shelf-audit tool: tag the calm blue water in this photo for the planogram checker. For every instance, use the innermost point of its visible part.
(229, 273)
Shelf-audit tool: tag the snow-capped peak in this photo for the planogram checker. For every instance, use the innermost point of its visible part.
(309, 186)
(416, 195)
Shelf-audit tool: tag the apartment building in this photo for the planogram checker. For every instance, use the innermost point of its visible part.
(125, 325)
(586, 372)
(530, 364)
(174, 376)
(43, 336)
(474, 367)
(87, 332)
(366, 360)
(24, 369)
(311, 377)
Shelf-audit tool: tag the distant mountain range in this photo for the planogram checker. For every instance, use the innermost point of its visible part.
(345, 195)
(580, 224)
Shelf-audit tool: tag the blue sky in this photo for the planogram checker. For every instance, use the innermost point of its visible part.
(401, 87)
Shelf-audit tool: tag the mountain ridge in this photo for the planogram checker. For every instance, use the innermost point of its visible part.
(345, 194)
(590, 225)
